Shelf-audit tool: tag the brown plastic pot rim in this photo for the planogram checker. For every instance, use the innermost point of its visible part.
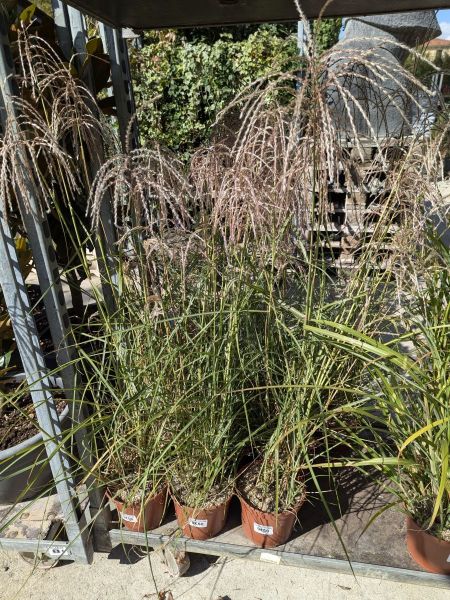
(148, 498)
(420, 529)
(293, 510)
(199, 508)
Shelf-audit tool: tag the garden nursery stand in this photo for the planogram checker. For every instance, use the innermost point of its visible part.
(339, 545)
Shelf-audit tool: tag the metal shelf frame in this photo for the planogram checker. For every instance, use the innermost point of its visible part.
(79, 545)
(274, 556)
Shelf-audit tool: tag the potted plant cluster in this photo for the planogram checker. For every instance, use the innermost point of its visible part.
(216, 344)
(233, 359)
(203, 366)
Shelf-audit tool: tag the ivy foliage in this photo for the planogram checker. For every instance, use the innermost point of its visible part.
(326, 33)
(183, 79)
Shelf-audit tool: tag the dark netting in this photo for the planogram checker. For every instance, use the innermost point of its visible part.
(149, 14)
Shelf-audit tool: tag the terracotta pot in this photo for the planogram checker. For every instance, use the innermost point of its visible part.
(137, 518)
(267, 530)
(427, 550)
(201, 524)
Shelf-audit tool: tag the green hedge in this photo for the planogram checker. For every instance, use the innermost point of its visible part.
(182, 81)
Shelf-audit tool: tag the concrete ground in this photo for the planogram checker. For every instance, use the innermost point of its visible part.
(135, 577)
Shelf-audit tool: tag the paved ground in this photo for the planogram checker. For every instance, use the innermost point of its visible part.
(116, 577)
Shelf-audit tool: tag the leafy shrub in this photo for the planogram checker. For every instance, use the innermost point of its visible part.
(182, 80)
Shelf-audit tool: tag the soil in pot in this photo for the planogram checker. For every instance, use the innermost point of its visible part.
(24, 467)
(206, 521)
(428, 551)
(137, 517)
(260, 523)
(18, 423)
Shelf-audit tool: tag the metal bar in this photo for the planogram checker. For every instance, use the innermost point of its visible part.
(79, 39)
(18, 305)
(106, 254)
(52, 549)
(62, 28)
(116, 47)
(72, 33)
(306, 561)
(301, 39)
(109, 90)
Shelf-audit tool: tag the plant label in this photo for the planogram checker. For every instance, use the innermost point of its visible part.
(58, 551)
(128, 518)
(448, 558)
(263, 529)
(198, 523)
(268, 557)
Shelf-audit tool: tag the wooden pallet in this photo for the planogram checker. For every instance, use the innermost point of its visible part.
(352, 214)
(35, 519)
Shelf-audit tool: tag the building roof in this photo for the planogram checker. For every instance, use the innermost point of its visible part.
(438, 43)
(156, 14)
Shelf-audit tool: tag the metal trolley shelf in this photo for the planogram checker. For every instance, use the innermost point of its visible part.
(379, 552)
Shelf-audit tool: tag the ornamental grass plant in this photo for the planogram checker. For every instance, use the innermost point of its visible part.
(243, 308)
(406, 410)
(231, 334)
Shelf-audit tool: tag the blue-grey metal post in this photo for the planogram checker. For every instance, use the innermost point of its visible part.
(116, 47)
(71, 32)
(62, 27)
(18, 305)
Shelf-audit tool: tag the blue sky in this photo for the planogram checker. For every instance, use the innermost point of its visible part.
(444, 22)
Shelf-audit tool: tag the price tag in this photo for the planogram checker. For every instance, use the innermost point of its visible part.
(128, 518)
(198, 522)
(57, 552)
(263, 529)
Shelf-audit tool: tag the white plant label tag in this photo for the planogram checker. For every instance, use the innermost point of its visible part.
(58, 551)
(263, 529)
(448, 558)
(268, 557)
(198, 523)
(128, 518)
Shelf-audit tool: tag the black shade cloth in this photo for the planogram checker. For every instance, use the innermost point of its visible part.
(156, 14)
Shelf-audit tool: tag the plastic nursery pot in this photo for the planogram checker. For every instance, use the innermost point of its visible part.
(267, 530)
(137, 518)
(24, 468)
(201, 524)
(431, 553)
